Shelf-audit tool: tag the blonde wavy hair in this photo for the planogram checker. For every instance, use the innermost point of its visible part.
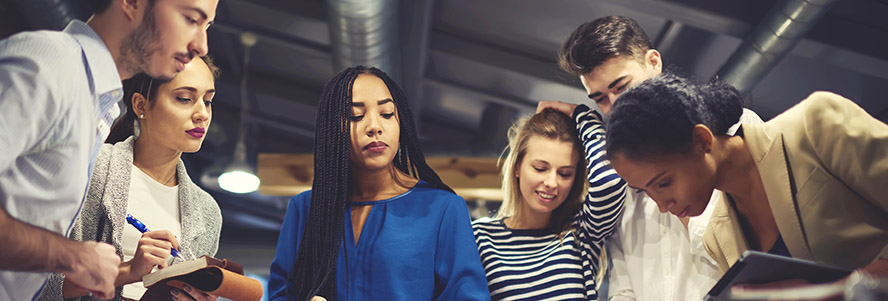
(549, 124)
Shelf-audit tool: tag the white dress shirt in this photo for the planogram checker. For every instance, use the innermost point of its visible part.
(655, 257)
(58, 92)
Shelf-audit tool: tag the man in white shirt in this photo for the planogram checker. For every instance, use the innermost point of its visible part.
(656, 255)
(58, 95)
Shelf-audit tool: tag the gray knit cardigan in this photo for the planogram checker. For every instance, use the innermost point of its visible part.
(105, 208)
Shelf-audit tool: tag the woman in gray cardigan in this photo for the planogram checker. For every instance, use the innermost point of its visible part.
(143, 175)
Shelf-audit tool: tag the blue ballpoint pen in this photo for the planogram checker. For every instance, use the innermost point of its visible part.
(141, 227)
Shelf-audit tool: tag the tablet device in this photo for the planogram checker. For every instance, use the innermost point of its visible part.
(759, 268)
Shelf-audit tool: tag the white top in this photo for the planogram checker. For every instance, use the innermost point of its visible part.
(655, 257)
(57, 101)
(155, 205)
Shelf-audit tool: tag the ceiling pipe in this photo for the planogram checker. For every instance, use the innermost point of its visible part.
(362, 32)
(772, 39)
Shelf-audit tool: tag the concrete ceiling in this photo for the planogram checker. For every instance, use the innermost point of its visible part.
(484, 63)
(470, 67)
(495, 54)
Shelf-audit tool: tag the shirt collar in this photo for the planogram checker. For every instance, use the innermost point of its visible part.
(104, 69)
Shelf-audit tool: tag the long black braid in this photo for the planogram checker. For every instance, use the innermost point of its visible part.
(314, 271)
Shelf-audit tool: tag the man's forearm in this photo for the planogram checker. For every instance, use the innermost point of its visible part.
(33, 249)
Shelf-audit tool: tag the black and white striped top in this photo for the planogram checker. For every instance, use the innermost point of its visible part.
(535, 264)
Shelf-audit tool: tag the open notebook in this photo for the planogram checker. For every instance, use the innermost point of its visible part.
(223, 278)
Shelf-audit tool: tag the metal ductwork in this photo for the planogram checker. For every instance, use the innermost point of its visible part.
(363, 33)
(773, 38)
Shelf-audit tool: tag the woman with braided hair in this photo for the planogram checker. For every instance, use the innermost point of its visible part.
(378, 223)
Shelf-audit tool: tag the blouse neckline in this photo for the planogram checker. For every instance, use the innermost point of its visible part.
(391, 199)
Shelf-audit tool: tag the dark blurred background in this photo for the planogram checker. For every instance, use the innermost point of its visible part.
(469, 68)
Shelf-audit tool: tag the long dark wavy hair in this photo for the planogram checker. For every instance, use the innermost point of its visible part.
(314, 271)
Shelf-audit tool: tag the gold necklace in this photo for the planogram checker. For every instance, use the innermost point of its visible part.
(156, 179)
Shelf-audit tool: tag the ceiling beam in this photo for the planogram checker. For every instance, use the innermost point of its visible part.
(471, 178)
(482, 95)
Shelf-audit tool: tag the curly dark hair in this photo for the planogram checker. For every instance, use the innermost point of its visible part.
(658, 116)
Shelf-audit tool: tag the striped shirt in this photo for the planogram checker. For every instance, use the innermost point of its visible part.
(58, 96)
(535, 264)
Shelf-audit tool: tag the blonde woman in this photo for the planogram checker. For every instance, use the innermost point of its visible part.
(546, 240)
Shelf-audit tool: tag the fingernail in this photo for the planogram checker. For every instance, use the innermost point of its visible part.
(187, 288)
(174, 291)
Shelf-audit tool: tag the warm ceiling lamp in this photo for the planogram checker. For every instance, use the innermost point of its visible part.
(239, 177)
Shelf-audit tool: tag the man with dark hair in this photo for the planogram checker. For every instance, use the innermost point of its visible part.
(58, 96)
(655, 256)
(609, 54)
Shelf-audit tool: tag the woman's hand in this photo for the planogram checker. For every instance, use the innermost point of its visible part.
(190, 293)
(153, 250)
